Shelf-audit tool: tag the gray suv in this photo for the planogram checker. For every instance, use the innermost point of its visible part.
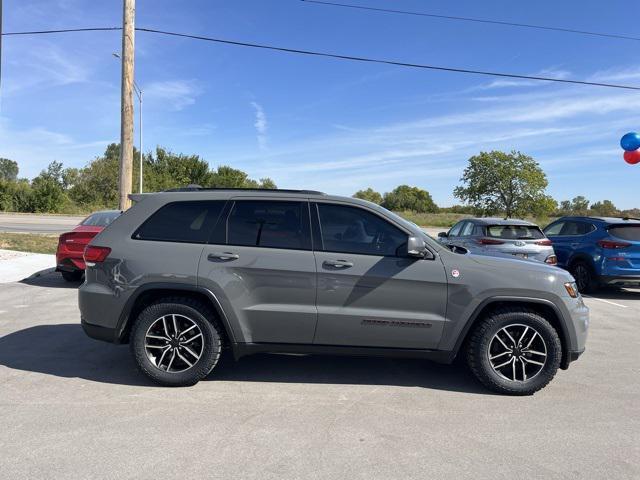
(184, 274)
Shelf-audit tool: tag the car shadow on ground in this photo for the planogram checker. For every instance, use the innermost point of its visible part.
(65, 351)
(47, 278)
(612, 293)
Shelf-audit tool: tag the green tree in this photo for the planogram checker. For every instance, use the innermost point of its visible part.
(510, 183)
(579, 205)
(605, 208)
(8, 169)
(48, 193)
(369, 195)
(405, 197)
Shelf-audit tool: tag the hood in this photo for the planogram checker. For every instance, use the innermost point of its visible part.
(514, 263)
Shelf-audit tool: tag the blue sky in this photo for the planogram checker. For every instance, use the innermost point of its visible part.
(327, 124)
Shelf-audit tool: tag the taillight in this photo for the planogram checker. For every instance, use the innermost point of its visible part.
(489, 241)
(612, 244)
(545, 243)
(551, 260)
(94, 254)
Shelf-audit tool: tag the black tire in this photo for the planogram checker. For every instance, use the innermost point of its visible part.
(74, 276)
(480, 343)
(211, 346)
(586, 278)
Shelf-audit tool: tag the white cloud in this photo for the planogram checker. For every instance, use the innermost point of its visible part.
(261, 125)
(178, 94)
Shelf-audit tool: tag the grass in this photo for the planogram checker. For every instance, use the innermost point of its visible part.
(29, 242)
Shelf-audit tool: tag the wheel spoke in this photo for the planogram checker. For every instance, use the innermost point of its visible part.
(183, 333)
(528, 360)
(524, 371)
(526, 329)
(533, 337)
(159, 363)
(500, 355)
(175, 325)
(164, 324)
(503, 364)
(157, 346)
(509, 335)
(503, 344)
(184, 359)
(192, 338)
(156, 337)
(196, 356)
(173, 357)
(535, 352)
(514, 368)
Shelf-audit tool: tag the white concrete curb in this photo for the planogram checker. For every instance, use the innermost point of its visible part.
(16, 266)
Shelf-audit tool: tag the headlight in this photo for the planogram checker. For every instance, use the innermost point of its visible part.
(572, 289)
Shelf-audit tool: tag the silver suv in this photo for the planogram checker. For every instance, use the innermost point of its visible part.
(184, 274)
(496, 236)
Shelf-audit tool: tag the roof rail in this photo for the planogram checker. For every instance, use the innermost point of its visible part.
(198, 188)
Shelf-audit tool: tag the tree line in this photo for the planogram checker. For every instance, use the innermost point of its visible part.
(493, 183)
(497, 183)
(95, 186)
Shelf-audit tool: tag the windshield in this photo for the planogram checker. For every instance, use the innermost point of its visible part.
(100, 219)
(515, 232)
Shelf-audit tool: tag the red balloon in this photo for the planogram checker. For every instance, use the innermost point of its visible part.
(632, 157)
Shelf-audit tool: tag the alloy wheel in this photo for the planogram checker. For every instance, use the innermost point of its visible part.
(517, 352)
(174, 343)
(582, 276)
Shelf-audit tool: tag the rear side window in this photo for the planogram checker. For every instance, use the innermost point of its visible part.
(625, 232)
(519, 232)
(577, 228)
(269, 224)
(188, 222)
(354, 230)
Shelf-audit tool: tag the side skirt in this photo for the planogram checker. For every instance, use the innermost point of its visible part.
(244, 349)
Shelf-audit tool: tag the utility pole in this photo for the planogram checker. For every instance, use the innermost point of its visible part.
(126, 107)
(0, 54)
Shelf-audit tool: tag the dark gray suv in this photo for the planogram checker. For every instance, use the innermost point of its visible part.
(183, 274)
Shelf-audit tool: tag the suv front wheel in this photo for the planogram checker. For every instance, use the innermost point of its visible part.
(175, 343)
(514, 351)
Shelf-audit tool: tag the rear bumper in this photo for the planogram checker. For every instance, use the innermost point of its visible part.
(620, 280)
(69, 263)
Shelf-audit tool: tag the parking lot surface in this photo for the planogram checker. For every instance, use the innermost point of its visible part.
(72, 407)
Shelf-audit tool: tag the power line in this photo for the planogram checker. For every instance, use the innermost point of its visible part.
(345, 57)
(472, 19)
(388, 62)
(65, 30)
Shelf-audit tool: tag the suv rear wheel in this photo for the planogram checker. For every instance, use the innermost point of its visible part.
(175, 343)
(514, 351)
(586, 279)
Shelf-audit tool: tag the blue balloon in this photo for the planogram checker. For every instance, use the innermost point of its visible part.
(630, 141)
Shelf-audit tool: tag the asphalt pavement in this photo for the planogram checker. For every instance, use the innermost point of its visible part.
(33, 223)
(73, 407)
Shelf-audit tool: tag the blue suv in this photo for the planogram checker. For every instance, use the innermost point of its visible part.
(598, 251)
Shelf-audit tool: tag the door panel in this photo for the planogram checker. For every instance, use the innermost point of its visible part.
(265, 274)
(380, 301)
(270, 292)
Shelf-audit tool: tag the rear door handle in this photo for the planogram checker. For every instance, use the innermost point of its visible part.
(337, 263)
(225, 256)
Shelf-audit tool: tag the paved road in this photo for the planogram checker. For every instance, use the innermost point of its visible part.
(31, 223)
(72, 407)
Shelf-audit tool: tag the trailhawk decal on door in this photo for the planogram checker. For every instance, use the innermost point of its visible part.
(396, 323)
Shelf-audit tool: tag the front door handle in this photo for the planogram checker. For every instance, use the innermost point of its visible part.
(337, 263)
(225, 256)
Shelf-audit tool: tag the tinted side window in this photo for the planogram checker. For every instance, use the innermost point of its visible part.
(189, 222)
(270, 224)
(467, 230)
(455, 230)
(576, 228)
(354, 230)
(554, 229)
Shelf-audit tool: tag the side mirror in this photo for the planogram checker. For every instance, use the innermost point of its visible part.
(443, 235)
(416, 248)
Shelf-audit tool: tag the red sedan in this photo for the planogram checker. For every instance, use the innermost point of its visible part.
(71, 245)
